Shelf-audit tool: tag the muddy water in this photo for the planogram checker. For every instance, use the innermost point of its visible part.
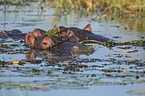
(115, 71)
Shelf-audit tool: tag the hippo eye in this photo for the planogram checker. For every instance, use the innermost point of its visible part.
(44, 43)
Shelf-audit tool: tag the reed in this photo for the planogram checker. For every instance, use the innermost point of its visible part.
(113, 6)
(105, 6)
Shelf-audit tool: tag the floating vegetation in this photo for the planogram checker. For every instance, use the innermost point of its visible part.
(15, 45)
(51, 33)
(134, 51)
(111, 70)
(49, 72)
(70, 73)
(107, 83)
(137, 92)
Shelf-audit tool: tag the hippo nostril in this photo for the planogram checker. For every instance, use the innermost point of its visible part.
(44, 43)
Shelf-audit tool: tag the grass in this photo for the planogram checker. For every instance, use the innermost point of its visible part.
(109, 9)
(111, 6)
(126, 6)
(98, 9)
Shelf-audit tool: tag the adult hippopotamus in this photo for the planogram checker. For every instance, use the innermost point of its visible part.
(14, 34)
(85, 35)
(82, 35)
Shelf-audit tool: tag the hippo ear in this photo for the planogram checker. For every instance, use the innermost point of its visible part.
(88, 27)
(72, 37)
(70, 33)
(4, 32)
(30, 39)
(56, 28)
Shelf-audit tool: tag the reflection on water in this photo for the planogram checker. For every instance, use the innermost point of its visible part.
(43, 73)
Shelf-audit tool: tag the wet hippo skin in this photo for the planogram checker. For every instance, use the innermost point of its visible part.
(82, 34)
(14, 34)
(54, 44)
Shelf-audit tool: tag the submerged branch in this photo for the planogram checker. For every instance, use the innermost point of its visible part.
(5, 59)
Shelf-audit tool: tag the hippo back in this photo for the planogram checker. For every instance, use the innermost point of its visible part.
(87, 35)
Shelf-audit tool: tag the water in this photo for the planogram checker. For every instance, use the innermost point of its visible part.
(119, 70)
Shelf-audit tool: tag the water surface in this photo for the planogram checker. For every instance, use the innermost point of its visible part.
(119, 70)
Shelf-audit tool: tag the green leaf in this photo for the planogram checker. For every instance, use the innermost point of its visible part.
(139, 42)
(51, 33)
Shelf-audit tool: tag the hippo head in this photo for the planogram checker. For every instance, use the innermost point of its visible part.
(66, 32)
(38, 33)
(41, 42)
(45, 42)
(11, 32)
(31, 38)
(87, 27)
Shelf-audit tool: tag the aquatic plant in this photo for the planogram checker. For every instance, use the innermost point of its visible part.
(126, 6)
(51, 33)
(113, 6)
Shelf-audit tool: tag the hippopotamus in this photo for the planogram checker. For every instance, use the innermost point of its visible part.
(31, 38)
(85, 35)
(37, 40)
(82, 35)
(64, 49)
(14, 34)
